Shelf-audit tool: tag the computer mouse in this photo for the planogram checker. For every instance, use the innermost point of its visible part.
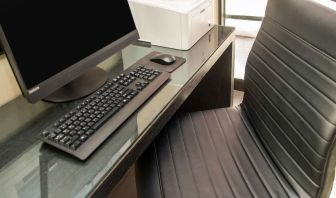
(163, 59)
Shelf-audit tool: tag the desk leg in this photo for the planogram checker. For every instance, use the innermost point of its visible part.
(216, 88)
(126, 186)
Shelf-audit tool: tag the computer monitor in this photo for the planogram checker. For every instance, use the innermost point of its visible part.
(54, 46)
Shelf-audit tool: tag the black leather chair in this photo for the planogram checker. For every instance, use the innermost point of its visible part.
(280, 142)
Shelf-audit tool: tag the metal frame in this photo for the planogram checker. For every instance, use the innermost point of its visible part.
(244, 17)
(222, 14)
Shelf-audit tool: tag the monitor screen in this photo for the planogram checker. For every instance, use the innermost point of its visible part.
(47, 37)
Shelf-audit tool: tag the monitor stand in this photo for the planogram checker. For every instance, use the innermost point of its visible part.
(82, 86)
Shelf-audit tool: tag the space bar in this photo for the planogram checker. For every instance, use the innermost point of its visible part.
(105, 118)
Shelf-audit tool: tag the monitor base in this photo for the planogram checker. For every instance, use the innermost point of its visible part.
(82, 86)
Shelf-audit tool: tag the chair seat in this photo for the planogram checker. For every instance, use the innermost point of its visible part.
(212, 153)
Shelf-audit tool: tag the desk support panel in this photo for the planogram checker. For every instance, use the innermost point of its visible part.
(216, 88)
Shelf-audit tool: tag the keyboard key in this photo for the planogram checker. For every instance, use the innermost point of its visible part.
(57, 131)
(64, 139)
(82, 124)
(75, 145)
(68, 143)
(72, 133)
(90, 132)
(59, 137)
(71, 127)
(51, 136)
(66, 131)
(75, 137)
(63, 126)
(83, 138)
(45, 133)
(102, 121)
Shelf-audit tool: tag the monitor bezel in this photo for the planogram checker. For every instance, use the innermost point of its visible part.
(48, 86)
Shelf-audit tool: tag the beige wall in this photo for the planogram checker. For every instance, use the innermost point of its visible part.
(9, 88)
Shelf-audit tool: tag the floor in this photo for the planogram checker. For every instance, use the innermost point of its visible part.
(237, 97)
(243, 47)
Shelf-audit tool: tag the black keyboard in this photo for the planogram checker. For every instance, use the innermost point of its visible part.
(81, 130)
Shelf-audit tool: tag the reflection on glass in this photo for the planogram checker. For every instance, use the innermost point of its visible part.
(64, 176)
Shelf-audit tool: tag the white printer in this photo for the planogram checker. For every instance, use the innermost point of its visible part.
(175, 24)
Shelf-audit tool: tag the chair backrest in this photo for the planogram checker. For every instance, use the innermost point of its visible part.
(290, 92)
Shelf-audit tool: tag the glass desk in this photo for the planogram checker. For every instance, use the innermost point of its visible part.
(29, 168)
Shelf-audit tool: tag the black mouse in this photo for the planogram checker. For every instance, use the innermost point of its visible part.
(163, 59)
